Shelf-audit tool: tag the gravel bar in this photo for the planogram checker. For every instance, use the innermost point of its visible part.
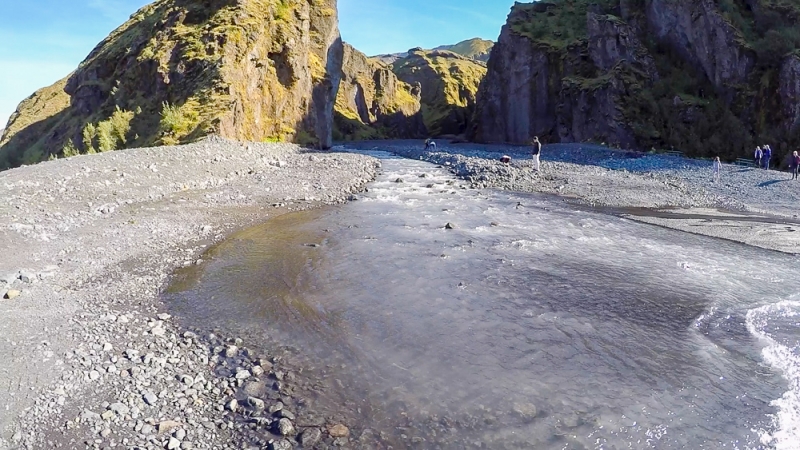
(88, 245)
(606, 178)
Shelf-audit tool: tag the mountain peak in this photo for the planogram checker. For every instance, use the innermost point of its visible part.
(475, 48)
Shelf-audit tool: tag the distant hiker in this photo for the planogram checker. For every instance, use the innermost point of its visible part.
(430, 144)
(795, 165)
(767, 156)
(536, 150)
(505, 159)
(759, 154)
(717, 167)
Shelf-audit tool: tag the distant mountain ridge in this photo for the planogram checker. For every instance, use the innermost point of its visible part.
(475, 48)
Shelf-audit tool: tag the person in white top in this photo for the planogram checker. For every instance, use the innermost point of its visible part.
(536, 150)
(759, 154)
(717, 167)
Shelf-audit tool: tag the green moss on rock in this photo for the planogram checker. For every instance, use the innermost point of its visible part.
(178, 70)
(449, 86)
(373, 104)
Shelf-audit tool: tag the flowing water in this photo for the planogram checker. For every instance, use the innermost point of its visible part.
(531, 324)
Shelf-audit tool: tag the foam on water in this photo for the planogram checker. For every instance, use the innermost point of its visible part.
(782, 353)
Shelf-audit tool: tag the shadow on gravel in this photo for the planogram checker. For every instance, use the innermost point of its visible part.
(771, 182)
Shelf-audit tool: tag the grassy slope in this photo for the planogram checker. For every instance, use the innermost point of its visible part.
(196, 42)
(37, 112)
(475, 48)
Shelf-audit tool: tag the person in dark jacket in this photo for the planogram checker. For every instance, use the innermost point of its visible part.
(767, 156)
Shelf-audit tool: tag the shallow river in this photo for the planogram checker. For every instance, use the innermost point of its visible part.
(531, 324)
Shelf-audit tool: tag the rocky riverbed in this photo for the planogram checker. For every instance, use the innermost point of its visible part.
(90, 241)
(616, 180)
(88, 245)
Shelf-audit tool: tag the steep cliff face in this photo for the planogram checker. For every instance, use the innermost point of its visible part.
(518, 97)
(789, 90)
(699, 32)
(562, 91)
(612, 40)
(372, 103)
(181, 69)
(703, 76)
(449, 85)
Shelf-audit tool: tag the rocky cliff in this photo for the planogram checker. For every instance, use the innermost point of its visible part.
(709, 77)
(373, 104)
(256, 70)
(449, 85)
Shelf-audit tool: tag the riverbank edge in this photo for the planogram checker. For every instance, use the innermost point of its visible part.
(106, 366)
(601, 177)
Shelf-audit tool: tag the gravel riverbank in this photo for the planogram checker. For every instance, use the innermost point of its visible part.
(601, 177)
(88, 245)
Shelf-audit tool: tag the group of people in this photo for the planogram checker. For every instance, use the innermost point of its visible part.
(763, 156)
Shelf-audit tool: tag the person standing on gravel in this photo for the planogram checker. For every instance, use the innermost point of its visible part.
(759, 154)
(717, 167)
(536, 150)
(767, 156)
(430, 144)
(795, 165)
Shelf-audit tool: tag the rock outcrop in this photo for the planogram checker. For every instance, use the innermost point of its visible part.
(694, 75)
(372, 103)
(612, 40)
(180, 69)
(699, 32)
(449, 85)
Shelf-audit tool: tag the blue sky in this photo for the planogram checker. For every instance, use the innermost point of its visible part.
(44, 40)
